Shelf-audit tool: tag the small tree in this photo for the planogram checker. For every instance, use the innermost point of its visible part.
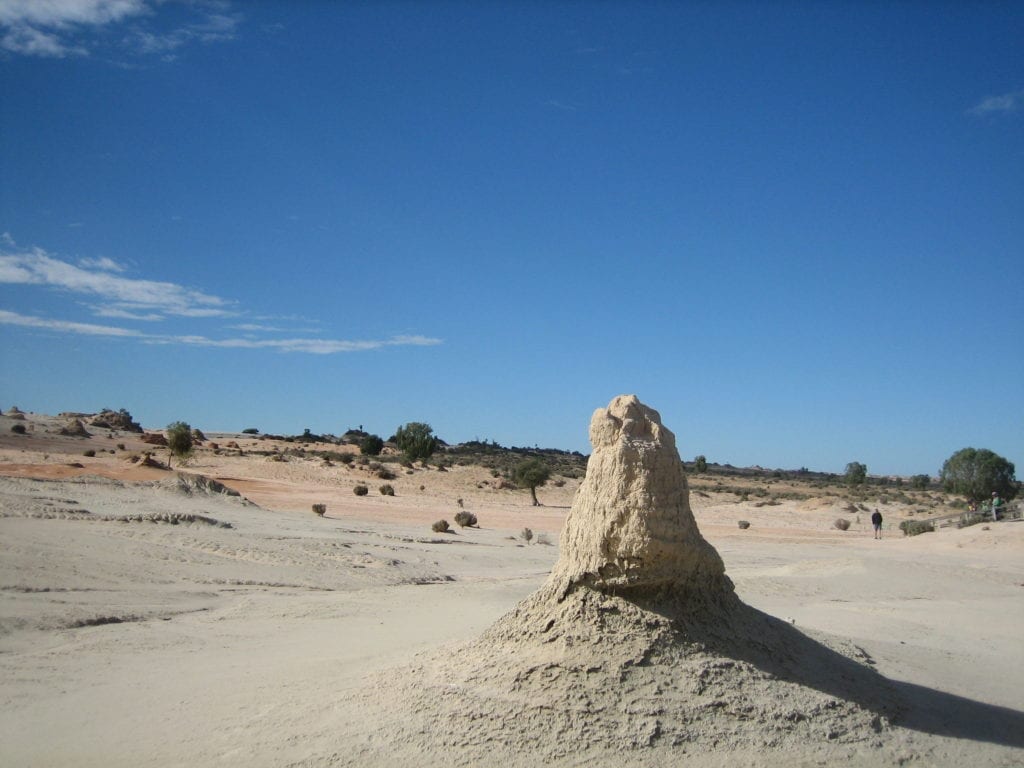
(179, 441)
(700, 465)
(856, 474)
(531, 474)
(920, 482)
(416, 440)
(371, 445)
(976, 473)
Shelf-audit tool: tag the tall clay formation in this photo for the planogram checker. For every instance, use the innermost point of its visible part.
(637, 641)
(631, 530)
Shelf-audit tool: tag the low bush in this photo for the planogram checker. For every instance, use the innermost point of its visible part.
(386, 474)
(387, 490)
(526, 535)
(465, 519)
(970, 518)
(371, 445)
(90, 453)
(744, 524)
(360, 490)
(916, 527)
(320, 509)
(250, 431)
(441, 526)
(842, 524)
(18, 429)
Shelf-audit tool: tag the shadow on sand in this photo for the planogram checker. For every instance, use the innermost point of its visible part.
(737, 631)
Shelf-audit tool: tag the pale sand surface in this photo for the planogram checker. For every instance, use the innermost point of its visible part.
(147, 643)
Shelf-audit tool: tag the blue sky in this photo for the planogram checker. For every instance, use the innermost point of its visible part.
(795, 229)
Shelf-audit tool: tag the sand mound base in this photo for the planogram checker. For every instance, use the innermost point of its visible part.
(597, 675)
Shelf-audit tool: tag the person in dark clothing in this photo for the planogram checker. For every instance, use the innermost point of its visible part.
(876, 522)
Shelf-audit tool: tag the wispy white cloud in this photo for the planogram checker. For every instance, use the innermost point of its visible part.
(123, 314)
(63, 13)
(36, 267)
(215, 27)
(1007, 102)
(47, 27)
(107, 293)
(62, 28)
(65, 326)
(310, 346)
(105, 264)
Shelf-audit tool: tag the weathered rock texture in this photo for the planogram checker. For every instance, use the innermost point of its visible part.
(635, 645)
(74, 428)
(631, 529)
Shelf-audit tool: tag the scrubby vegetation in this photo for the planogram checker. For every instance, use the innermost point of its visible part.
(387, 490)
(320, 509)
(371, 445)
(842, 524)
(416, 440)
(441, 526)
(465, 519)
(179, 440)
(360, 490)
(915, 527)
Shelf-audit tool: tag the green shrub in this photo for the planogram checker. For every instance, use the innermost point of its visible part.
(179, 441)
(441, 526)
(320, 509)
(971, 518)
(360, 490)
(416, 440)
(915, 527)
(465, 519)
(387, 490)
(371, 445)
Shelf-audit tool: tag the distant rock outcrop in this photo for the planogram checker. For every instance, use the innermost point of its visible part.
(121, 420)
(154, 438)
(75, 428)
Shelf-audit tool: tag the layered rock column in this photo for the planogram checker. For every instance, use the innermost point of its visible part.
(631, 530)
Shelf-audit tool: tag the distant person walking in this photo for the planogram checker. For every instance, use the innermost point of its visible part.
(996, 502)
(876, 523)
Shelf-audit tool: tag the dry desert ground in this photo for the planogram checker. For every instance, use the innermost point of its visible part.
(151, 618)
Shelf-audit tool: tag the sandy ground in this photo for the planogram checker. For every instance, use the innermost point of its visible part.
(147, 618)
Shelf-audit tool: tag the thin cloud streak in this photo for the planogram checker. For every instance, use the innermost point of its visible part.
(309, 346)
(1007, 102)
(65, 326)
